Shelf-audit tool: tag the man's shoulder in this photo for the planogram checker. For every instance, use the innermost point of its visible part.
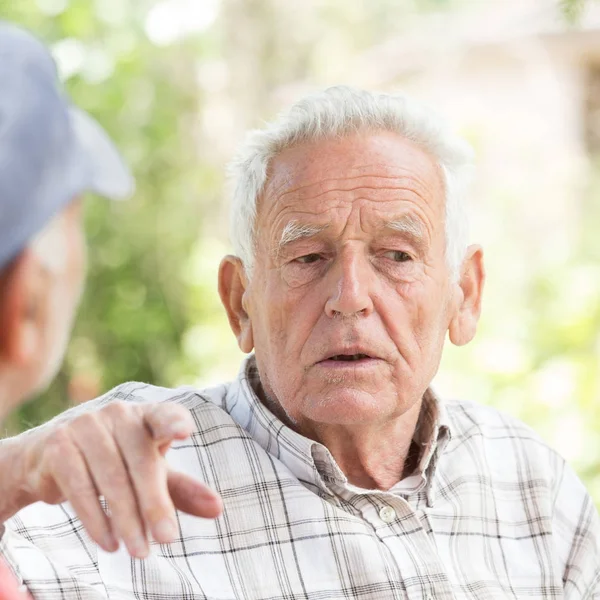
(472, 423)
(208, 401)
(476, 415)
(145, 393)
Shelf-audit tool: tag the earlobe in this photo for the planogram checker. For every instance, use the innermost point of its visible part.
(463, 325)
(233, 293)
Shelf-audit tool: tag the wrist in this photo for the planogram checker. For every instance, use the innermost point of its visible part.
(12, 491)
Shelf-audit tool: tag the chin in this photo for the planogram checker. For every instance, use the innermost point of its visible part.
(347, 406)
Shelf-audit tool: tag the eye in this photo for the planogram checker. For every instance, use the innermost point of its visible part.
(398, 256)
(308, 259)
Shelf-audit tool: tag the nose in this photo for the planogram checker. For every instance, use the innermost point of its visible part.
(350, 283)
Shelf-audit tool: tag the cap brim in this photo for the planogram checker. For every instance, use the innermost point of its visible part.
(109, 174)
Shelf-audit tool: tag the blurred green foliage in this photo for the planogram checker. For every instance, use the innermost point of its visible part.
(138, 305)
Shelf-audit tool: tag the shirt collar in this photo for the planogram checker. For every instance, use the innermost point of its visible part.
(432, 435)
(295, 451)
(311, 462)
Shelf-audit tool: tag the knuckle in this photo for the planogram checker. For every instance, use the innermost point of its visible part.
(181, 411)
(166, 414)
(174, 408)
(84, 422)
(166, 409)
(116, 410)
(155, 414)
(58, 442)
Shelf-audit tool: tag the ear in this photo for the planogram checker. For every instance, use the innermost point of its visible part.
(21, 291)
(464, 322)
(232, 289)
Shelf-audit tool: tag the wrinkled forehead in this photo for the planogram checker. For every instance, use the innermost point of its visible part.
(385, 168)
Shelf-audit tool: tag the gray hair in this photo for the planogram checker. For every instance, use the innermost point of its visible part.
(337, 112)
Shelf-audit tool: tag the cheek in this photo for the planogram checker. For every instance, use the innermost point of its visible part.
(414, 317)
(74, 275)
(69, 289)
(286, 318)
(77, 259)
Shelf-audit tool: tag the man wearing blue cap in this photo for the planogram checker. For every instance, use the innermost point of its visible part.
(50, 154)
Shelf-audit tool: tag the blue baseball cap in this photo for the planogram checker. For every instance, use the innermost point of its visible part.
(50, 151)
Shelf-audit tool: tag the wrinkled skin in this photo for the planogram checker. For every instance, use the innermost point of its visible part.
(371, 278)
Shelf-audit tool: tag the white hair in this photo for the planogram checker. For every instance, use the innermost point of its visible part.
(334, 113)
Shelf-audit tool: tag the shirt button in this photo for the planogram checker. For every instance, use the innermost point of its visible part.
(387, 514)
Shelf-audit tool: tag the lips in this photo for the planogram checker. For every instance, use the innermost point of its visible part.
(350, 361)
(348, 357)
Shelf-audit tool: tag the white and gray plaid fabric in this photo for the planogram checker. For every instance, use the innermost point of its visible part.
(491, 512)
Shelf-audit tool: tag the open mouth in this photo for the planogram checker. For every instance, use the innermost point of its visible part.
(350, 362)
(349, 357)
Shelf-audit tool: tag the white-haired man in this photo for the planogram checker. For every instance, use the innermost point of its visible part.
(341, 473)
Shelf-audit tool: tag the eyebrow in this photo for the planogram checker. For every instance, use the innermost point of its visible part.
(409, 225)
(295, 231)
(412, 228)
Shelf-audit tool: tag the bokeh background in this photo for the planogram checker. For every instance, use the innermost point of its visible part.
(177, 82)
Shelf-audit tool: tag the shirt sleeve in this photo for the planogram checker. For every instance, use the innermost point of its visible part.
(577, 536)
(50, 553)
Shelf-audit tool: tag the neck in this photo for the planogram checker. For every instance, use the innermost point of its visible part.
(373, 456)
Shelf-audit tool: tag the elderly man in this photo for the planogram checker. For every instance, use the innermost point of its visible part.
(341, 473)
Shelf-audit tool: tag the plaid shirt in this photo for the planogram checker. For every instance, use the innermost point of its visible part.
(490, 512)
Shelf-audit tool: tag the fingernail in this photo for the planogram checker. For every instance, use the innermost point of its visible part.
(209, 494)
(138, 547)
(165, 531)
(178, 428)
(110, 542)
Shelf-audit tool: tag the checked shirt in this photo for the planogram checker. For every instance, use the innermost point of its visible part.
(490, 513)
